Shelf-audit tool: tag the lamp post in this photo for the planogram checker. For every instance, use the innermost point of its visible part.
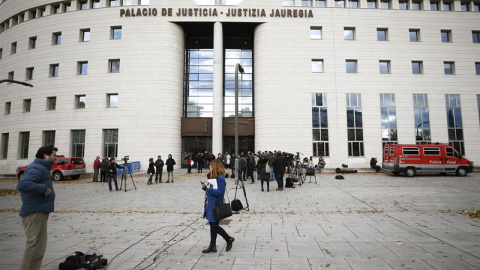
(17, 82)
(238, 68)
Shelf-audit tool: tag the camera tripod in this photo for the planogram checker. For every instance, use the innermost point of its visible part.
(124, 176)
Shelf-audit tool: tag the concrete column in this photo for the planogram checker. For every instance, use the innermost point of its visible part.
(456, 6)
(217, 128)
(74, 5)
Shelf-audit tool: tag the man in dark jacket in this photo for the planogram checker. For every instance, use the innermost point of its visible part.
(279, 164)
(200, 162)
(159, 165)
(38, 201)
(373, 164)
(170, 163)
(242, 167)
(112, 173)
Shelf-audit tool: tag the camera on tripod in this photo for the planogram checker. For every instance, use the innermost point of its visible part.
(126, 158)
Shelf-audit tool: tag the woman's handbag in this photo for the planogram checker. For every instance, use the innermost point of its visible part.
(267, 169)
(223, 211)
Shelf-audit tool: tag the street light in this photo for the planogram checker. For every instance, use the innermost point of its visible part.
(238, 68)
(17, 82)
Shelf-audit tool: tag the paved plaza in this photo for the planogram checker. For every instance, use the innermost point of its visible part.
(367, 221)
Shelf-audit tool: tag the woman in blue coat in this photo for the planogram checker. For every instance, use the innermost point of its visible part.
(214, 197)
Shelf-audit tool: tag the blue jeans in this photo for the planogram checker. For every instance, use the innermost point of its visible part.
(279, 177)
(272, 174)
(319, 168)
(114, 178)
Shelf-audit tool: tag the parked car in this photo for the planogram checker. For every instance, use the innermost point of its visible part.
(414, 158)
(72, 167)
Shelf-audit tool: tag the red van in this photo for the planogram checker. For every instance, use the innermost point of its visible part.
(63, 167)
(413, 158)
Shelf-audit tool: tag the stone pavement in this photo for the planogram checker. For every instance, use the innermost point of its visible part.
(367, 221)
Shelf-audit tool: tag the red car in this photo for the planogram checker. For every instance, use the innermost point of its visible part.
(63, 167)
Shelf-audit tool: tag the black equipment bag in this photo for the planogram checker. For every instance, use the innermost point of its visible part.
(294, 179)
(71, 263)
(310, 171)
(289, 183)
(236, 203)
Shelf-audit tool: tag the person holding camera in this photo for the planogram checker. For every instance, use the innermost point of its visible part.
(170, 163)
(279, 164)
(215, 197)
(150, 171)
(112, 173)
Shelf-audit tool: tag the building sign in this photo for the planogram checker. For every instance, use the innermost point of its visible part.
(213, 12)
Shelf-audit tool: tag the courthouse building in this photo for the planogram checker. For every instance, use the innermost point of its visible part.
(332, 78)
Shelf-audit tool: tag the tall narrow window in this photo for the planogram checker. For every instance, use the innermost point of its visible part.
(320, 125)
(349, 33)
(417, 67)
(29, 73)
(351, 66)
(1, 53)
(199, 90)
(245, 84)
(56, 9)
(454, 122)
(82, 68)
(476, 36)
(354, 125)
(414, 34)
(32, 43)
(57, 38)
(464, 6)
(384, 66)
(114, 65)
(389, 118)
(422, 118)
(116, 32)
(48, 137)
(316, 32)
(477, 68)
(51, 103)
(382, 34)
(85, 35)
(112, 100)
(54, 69)
(449, 68)
(371, 3)
(82, 5)
(80, 101)
(403, 4)
(11, 75)
(417, 5)
(67, 7)
(447, 6)
(27, 104)
(110, 142)
(4, 150)
(478, 102)
(434, 5)
(320, 3)
(24, 140)
(13, 48)
(476, 7)
(8, 107)
(446, 35)
(78, 143)
(317, 65)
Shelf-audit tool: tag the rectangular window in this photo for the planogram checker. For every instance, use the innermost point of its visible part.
(127, 2)
(385, 4)
(351, 66)
(320, 125)
(353, 3)
(112, 100)
(455, 122)
(349, 33)
(11, 75)
(54, 69)
(116, 32)
(414, 34)
(13, 48)
(33, 14)
(56, 9)
(27, 104)
(320, 3)
(449, 68)
(32, 43)
(431, 151)
(371, 3)
(306, 3)
(478, 103)
(316, 32)
(95, 4)
(80, 101)
(8, 107)
(113, 3)
(339, 3)
(476, 7)
(288, 3)
(403, 4)
(464, 6)
(57, 38)
(67, 7)
(114, 65)
(82, 5)
(110, 142)
(382, 34)
(51, 103)
(476, 36)
(199, 89)
(384, 66)
(1, 53)
(447, 6)
(4, 150)
(85, 35)
(422, 118)
(144, 2)
(411, 151)
(446, 35)
(48, 137)
(24, 140)
(417, 5)
(82, 68)
(477, 68)
(245, 84)
(317, 65)
(388, 114)
(417, 67)
(78, 143)
(354, 125)
(29, 73)
(434, 6)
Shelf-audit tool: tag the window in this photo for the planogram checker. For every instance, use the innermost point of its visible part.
(29, 73)
(320, 3)
(85, 35)
(23, 145)
(82, 5)
(476, 36)
(317, 65)
(382, 34)
(113, 3)
(32, 43)
(116, 32)
(56, 9)
(127, 2)
(431, 151)
(449, 68)
(1, 53)
(80, 101)
(411, 151)
(422, 118)
(200, 82)
(464, 6)
(288, 3)
(417, 67)
(349, 33)
(27, 104)
(57, 38)
(416, 5)
(306, 3)
(110, 142)
(78, 143)
(54, 69)
(114, 65)
(51, 103)
(434, 5)
(82, 68)
(403, 4)
(4, 150)
(48, 137)
(339, 3)
(320, 125)
(353, 4)
(67, 7)
(477, 68)
(414, 34)
(144, 2)
(316, 32)
(95, 4)
(476, 7)
(384, 66)
(112, 100)
(446, 35)
(388, 114)
(33, 14)
(354, 125)
(371, 3)
(13, 48)
(11, 75)
(447, 6)
(8, 107)
(478, 102)
(385, 4)
(351, 66)
(454, 122)
(232, 56)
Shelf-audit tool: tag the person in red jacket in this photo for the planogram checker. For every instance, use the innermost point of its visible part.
(189, 164)
(96, 168)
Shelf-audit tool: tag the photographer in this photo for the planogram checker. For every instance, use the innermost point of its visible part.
(112, 173)
(215, 197)
(279, 164)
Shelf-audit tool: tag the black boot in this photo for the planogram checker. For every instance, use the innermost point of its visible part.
(229, 243)
(210, 249)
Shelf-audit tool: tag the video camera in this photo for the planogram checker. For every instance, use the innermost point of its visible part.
(126, 158)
